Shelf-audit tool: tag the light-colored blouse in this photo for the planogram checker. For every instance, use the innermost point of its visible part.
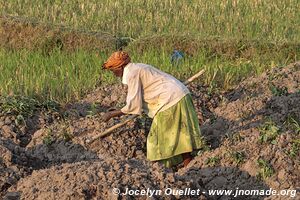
(150, 90)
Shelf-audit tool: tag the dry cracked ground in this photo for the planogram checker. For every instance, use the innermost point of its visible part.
(252, 135)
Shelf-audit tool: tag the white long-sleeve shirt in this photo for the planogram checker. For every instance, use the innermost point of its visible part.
(150, 90)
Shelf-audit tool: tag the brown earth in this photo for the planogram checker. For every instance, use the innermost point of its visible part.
(43, 159)
(22, 33)
(17, 33)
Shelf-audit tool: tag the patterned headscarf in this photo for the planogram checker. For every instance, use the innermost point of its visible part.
(116, 60)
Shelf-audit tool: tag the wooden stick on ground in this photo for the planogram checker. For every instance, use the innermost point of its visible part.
(132, 117)
(109, 130)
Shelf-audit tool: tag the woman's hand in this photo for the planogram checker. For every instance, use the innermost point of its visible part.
(107, 116)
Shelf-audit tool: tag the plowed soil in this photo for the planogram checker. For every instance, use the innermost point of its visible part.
(253, 124)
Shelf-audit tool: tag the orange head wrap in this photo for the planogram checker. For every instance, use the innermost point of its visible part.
(116, 60)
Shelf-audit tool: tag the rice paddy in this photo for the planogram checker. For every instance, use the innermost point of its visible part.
(230, 39)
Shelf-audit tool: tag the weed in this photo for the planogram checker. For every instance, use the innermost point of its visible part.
(278, 91)
(66, 133)
(120, 104)
(237, 137)
(266, 170)
(238, 157)
(67, 136)
(244, 114)
(18, 105)
(51, 105)
(20, 120)
(212, 161)
(143, 120)
(213, 119)
(24, 107)
(212, 89)
(291, 122)
(295, 148)
(268, 132)
(205, 148)
(93, 110)
(234, 138)
(48, 139)
(274, 76)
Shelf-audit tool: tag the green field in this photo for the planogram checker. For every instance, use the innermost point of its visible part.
(257, 19)
(230, 39)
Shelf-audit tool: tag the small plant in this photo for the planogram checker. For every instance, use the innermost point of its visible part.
(276, 91)
(212, 161)
(70, 113)
(268, 132)
(245, 114)
(274, 76)
(205, 148)
(237, 137)
(66, 132)
(234, 137)
(293, 152)
(48, 139)
(143, 120)
(51, 105)
(213, 119)
(121, 104)
(24, 107)
(290, 121)
(266, 170)
(238, 157)
(67, 136)
(212, 89)
(93, 109)
(295, 124)
(20, 120)
(19, 105)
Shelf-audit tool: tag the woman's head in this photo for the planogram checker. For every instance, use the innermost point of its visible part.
(116, 62)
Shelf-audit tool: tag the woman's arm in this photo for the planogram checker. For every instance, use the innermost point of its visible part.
(134, 102)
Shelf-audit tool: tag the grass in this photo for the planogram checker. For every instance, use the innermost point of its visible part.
(295, 148)
(60, 76)
(212, 161)
(266, 170)
(292, 123)
(65, 76)
(234, 138)
(238, 156)
(230, 39)
(273, 20)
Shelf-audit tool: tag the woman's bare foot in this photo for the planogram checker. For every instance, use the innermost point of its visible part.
(187, 157)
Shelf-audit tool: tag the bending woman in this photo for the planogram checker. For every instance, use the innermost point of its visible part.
(175, 131)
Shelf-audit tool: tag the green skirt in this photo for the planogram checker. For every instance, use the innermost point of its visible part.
(173, 132)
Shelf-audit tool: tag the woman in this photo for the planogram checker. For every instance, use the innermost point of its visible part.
(175, 131)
